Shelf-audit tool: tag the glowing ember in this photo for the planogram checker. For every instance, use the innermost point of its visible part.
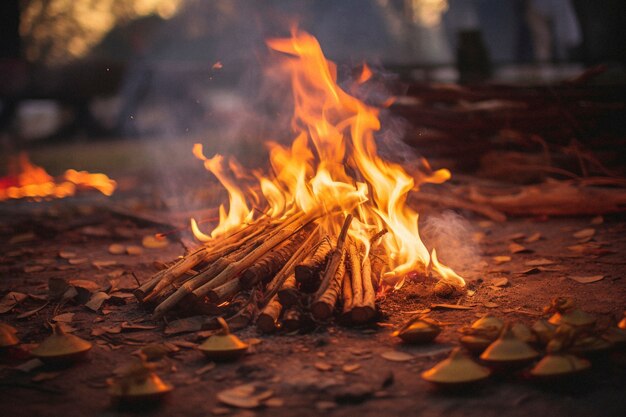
(26, 180)
(334, 136)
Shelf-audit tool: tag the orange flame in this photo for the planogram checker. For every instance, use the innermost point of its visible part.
(334, 136)
(26, 180)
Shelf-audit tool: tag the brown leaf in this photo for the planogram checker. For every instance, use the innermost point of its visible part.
(63, 318)
(10, 300)
(501, 259)
(186, 325)
(117, 249)
(206, 368)
(103, 264)
(516, 236)
(500, 282)
(32, 312)
(244, 396)
(490, 304)
(585, 233)
(587, 279)
(134, 250)
(77, 261)
(96, 300)
(349, 368)
(67, 254)
(33, 268)
(323, 366)
(597, 220)
(154, 242)
(22, 238)
(517, 248)
(533, 238)
(84, 284)
(131, 326)
(396, 356)
(539, 262)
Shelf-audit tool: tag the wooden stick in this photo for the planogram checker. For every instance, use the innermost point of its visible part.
(292, 319)
(354, 270)
(274, 285)
(348, 300)
(288, 293)
(236, 268)
(244, 317)
(324, 305)
(365, 310)
(336, 257)
(225, 291)
(178, 269)
(378, 235)
(307, 273)
(267, 267)
(267, 322)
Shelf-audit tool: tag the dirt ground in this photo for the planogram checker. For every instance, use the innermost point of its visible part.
(333, 369)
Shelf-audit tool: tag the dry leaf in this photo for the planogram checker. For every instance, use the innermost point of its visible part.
(10, 300)
(588, 279)
(274, 402)
(63, 318)
(96, 300)
(396, 356)
(67, 254)
(244, 396)
(117, 249)
(323, 366)
(134, 250)
(349, 368)
(597, 220)
(21, 238)
(517, 248)
(450, 306)
(189, 324)
(154, 242)
(34, 268)
(539, 262)
(490, 304)
(32, 312)
(103, 264)
(533, 238)
(516, 236)
(500, 282)
(209, 367)
(131, 326)
(77, 261)
(84, 283)
(29, 366)
(501, 259)
(585, 233)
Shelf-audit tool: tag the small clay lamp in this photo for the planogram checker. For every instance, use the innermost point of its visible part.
(139, 383)
(418, 331)
(223, 346)
(590, 345)
(61, 346)
(557, 365)
(7, 336)
(575, 317)
(458, 369)
(562, 339)
(544, 331)
(481, 333)
(523, 333)
(508, 350)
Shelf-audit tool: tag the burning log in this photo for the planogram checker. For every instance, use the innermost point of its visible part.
(348, 299)
(289, 294)
(225, 292)
(292, 319)
(307, 273)
(266, 267)
(365, 309)
(322, 308)
(267, 322)
(336, 257)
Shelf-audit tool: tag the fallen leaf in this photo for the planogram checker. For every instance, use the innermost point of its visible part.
(323, 366)
(396, 356)
(154, 242)
(84, 283)
(10, 300)
(516, 236)
(451, 306)
(29, 366)
(587, 279)
(134, 250)
(21, 238)
(539, 262)
(131, 326)
(349, 368)
(186, 325)
(533, 238)
(96, 300)
(77, 261)
(67, 254)
(585, 233)
(501, 259)
(32, 312)
(63, 318)
(34, 268)
(206, 368)
(500, 282)
(517, 248)
(490, 304)
(117, 249)
(597, 220)
(274, 402)
(244, 396)
(103, 264)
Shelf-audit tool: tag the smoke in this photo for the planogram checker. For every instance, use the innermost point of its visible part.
(452, 236)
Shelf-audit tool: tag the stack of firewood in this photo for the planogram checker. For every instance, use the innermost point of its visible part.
(280, 273)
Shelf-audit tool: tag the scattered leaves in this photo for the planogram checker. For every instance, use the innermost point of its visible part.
(134, 250)
(186, 325)
(587, 279)
(396, 356)
(77, 261)
(154, 242)
(585, 233)
(349, 368)
(539, 262)
(117, 249)
(96, 300)
(533, 238)
(103, 264)
(490, 304)
(323, 366)
(63, 318)
(67, 254)
(501, 259)
(517, 248)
